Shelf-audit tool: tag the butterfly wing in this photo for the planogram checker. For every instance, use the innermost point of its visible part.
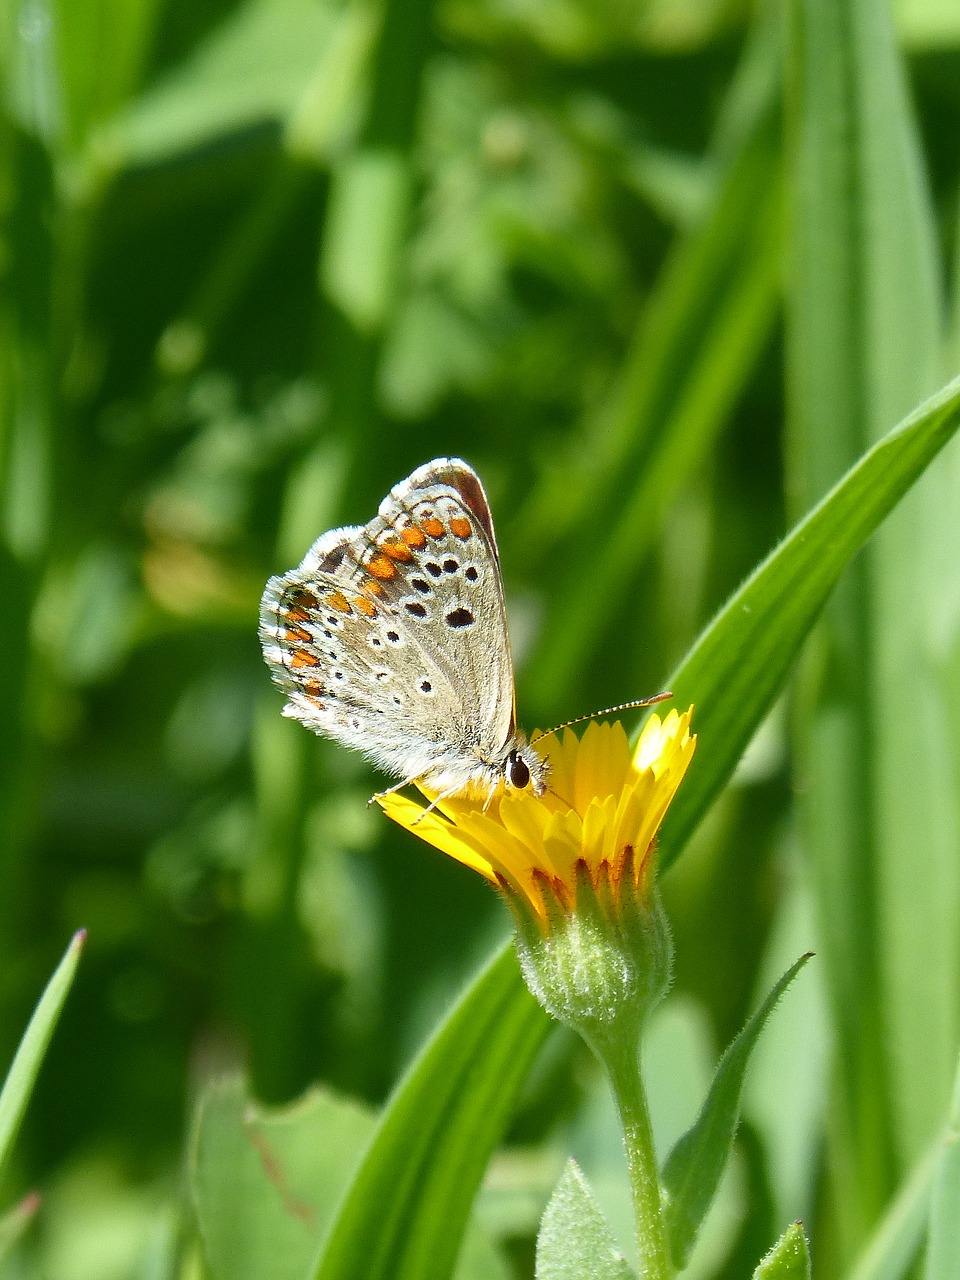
(392, 637)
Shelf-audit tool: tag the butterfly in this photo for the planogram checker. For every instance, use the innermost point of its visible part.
(391, 638)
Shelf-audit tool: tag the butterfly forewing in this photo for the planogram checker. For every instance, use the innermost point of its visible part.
(391, 637)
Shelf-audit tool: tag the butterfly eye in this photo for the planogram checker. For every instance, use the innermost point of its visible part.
(518, 774)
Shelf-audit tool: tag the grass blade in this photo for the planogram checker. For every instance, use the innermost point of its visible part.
(737, 667)
(943, 1247)
(26, 1063)
(407, 1207)
(875, 744)
(896, 1241)
(693, 1169)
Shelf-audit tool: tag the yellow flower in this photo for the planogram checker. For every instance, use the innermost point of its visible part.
(600, 815)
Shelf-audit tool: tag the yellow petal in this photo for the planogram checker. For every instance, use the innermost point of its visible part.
(601, 799)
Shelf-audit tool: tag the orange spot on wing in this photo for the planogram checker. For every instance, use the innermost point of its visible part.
(432, 527)
(460, 527)
(296, 615)
(298, 634)
(372, 587)
(365, 606)
(382, 567)
(413, 537)
(314, 691)
(337, 600)
(397, 550)
(302, 658)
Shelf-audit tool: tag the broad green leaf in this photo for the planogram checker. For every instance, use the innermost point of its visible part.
(406, 1208)
(575, 1240)
(943, 1241)
(738, 665)
(26, 1063)
(265, 1183)
(789, 1259)
(693, 1168)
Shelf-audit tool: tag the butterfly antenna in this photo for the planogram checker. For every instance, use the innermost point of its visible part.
(607, 711)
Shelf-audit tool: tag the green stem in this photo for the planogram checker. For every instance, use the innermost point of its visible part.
(622, 1062)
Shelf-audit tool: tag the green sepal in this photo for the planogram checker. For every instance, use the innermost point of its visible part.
(603, 957)
(694, 1167)
(789, 1259)
(575, 1240)
(26, 1063)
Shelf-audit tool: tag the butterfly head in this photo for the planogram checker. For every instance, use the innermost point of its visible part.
(524, 767)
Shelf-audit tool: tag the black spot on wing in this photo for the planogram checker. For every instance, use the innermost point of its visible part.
(458, 618)
(334, 558)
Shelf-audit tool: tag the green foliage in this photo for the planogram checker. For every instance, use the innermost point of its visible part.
(15, 1221)
(575, 1240)
(693, 1168)
(20, 1079)
(864, 301)
(667, 274)
(266, 1183)
(737, 667)
(789, 1259)
(892, 1249)
(406, 1208)
(943, 1246)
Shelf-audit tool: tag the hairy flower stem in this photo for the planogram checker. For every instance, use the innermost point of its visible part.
(619, 1056)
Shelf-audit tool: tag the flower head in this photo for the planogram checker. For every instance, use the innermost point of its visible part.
(597, 820)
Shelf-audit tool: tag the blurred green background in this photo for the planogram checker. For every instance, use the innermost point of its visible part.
(260, 259)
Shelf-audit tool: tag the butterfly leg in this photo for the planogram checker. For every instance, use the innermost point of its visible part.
(397, 786)
(490, 794)
(433, 804)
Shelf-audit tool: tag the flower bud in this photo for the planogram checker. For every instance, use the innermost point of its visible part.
(601, 954)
